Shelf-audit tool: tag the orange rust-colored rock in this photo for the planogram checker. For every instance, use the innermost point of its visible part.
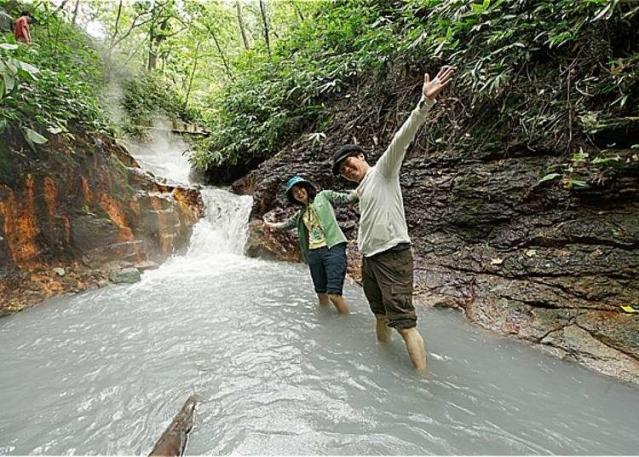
(20, 228)
(50, 197)
(80, 205)
(88, 196)
(117, 215)
(165, 236)
(189, 201)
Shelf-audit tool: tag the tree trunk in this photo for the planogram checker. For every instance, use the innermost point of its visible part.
(75, 12)
(298, 10)
(155, 40)
(221, 52)
(61, 7)
(188, 90)
(151, 60)
(173, 440)
(117, 23)
(266, 29)
(240, 21)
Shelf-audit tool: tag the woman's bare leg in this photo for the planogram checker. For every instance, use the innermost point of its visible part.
(339, 303)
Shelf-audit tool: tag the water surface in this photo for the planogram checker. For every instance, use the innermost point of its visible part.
(105, 371)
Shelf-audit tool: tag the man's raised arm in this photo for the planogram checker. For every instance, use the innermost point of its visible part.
(391, 161)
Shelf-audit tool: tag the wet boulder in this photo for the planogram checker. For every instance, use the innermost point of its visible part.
(125, 276)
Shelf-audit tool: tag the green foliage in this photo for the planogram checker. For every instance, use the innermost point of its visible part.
(583, 170)
(550, 177)
(274, 100)
(146, 97)
(553, 75)
(543, 73)
(50, 84)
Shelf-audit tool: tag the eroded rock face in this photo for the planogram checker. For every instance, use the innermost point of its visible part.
(544, 263)
(80, 204)
(271, 244)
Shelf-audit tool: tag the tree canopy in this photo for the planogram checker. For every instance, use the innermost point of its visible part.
(257, 74)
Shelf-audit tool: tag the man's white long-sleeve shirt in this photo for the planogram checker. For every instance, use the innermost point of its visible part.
(382, 219)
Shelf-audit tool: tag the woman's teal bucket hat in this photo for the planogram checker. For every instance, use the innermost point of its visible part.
(295, 180)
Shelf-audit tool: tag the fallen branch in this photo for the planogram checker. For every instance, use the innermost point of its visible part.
(173, 440)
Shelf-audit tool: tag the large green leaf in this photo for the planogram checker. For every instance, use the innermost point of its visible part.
(54, 130)
(550, 177)
(34, 136)
(9, 82)
(29, 68)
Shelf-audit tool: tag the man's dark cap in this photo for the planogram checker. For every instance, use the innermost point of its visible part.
(343, 153)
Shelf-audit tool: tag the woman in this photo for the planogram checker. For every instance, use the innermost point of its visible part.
(322, 243)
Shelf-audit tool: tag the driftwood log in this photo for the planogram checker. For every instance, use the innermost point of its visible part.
(173, 440)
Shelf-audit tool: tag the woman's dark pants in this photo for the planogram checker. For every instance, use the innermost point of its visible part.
(328, 268)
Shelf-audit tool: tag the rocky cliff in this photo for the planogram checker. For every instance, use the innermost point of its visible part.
(76, 207)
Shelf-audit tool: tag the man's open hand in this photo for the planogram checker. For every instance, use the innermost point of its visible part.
(432, 88)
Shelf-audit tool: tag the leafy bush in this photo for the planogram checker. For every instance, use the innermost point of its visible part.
(50, 84)
(148, 96)
(58, 81)
(544, 73)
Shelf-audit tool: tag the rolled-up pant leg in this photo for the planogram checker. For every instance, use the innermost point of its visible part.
(334, 260)
(316, 266)
(388, 278)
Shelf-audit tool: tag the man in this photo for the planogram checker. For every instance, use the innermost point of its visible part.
(387, 269)
(22, 28)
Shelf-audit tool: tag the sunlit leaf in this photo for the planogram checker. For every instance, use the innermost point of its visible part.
(55, 130)
(29, 68)
(550, 177)
(34, 136)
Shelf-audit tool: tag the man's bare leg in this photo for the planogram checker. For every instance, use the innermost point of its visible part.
(323, 299)
(416, 348)
(339, 303)
(382, 329)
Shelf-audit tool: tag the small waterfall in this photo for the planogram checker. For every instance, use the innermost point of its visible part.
(224, 229)
(217, 242)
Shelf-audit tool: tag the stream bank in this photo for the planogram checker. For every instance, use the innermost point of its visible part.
(73, 210)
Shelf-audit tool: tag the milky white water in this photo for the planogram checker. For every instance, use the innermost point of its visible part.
(104, 372)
